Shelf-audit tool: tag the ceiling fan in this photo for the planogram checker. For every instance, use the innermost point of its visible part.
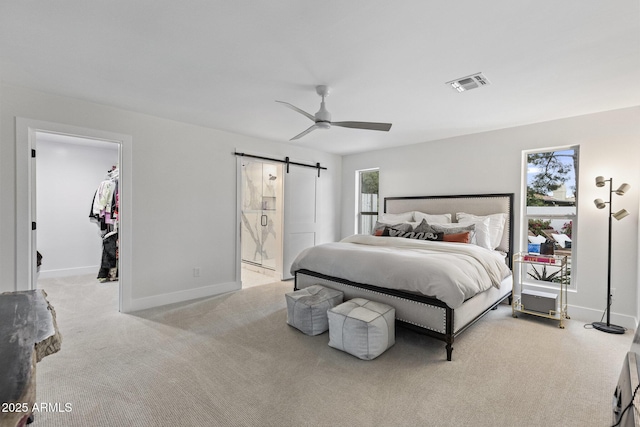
(322, 119)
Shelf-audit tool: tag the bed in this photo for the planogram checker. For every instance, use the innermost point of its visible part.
(443, 317)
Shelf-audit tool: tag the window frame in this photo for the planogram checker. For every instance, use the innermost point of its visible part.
(525, 216)
(359, 212)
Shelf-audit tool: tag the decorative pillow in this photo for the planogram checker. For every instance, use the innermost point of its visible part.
(395, 218)
(423, 227)
(458, 237)
(380, 226)
(483, 235)
(496, 225)
(423, 235)
(432, 218)
(454, 228)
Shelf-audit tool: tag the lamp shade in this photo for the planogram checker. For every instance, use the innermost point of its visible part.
(620, 214)
(599, 181)
(600, 204)
(623, 189)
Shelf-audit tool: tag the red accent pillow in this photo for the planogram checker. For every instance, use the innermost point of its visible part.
(458, 238)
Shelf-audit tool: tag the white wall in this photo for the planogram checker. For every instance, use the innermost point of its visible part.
(491, 163)
(67, 175)
(183, 189)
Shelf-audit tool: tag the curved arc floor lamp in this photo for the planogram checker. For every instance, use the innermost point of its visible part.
(601, 204)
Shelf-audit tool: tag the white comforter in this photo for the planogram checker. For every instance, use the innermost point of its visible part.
(450, 272)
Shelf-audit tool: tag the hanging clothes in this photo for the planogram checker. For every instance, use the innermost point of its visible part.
(104, 205)
(109, 266)
(104, 211)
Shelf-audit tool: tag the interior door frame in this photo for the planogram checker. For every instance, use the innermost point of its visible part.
(239, 196)
(25, 201)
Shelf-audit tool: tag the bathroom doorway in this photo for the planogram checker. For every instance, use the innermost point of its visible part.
(261, 222)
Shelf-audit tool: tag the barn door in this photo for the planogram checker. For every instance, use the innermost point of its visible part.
(300, 213)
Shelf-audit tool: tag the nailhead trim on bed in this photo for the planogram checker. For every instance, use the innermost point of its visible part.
(444, 315)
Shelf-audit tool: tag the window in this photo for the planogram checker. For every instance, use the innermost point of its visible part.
(551, 209)
(367, 200)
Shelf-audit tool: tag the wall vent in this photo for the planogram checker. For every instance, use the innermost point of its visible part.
(469, 82)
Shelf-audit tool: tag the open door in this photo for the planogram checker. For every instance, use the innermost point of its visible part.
(300, 213)
(33, 252)
(261, 214)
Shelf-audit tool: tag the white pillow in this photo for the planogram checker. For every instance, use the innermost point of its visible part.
(483, 234)
(395, 218)
(496, 225)
(537, 239)
(562, 239)
(431, 218)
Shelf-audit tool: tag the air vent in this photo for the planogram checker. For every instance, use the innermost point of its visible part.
(469, 82)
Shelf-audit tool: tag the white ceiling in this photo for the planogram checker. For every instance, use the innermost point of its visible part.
(222, 64)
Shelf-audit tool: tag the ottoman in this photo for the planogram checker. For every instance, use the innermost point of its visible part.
(362, 328)
(307, 308)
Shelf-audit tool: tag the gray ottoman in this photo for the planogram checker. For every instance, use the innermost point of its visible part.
(362, 328)
(307, 308)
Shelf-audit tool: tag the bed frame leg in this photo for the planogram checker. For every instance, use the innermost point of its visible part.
(449, 351)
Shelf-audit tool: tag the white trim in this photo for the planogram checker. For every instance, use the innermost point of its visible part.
(239, 219)
(25, 142)
(185, 295)
(578, 313)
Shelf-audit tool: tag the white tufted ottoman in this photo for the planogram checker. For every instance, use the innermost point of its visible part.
(307, 308)
(362, 328)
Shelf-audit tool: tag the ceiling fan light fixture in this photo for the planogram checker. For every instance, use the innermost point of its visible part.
(322, 119)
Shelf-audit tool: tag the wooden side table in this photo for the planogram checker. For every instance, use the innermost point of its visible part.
(28, 332)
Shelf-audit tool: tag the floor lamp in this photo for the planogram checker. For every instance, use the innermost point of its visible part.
(601, 204)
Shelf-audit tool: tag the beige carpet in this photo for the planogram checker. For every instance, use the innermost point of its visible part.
(233, 361)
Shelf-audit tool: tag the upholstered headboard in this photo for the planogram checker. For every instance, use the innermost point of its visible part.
(477, 204)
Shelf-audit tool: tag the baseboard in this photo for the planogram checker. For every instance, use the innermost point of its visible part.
(589, 315)
(180, 296)
(66, 272)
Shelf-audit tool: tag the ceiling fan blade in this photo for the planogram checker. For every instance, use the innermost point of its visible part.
(294, 108)
(364, 125)
(300, 135)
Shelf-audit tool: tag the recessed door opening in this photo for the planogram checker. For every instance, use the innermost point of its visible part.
(261, 222)
(75, 204)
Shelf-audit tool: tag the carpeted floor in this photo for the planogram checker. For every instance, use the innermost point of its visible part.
(233, 361)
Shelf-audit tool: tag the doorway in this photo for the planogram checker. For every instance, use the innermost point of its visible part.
(261, 215)
(76, 207)
(26, 221)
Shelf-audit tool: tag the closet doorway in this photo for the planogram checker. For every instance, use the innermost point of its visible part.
(76, 209)
(261, 216)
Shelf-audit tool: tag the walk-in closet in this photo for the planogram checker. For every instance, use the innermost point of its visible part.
(76, 208)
